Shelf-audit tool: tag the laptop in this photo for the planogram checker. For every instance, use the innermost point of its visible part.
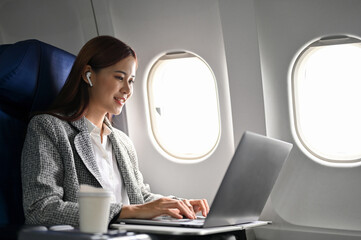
(241, 196)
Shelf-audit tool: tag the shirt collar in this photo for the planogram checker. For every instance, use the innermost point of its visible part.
(94, 129)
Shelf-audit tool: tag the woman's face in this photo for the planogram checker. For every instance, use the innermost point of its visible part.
(112, 86)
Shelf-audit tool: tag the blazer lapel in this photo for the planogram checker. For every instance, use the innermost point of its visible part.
(126, 169)
(84, 149)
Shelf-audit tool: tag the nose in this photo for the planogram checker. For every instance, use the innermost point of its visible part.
(126, 88)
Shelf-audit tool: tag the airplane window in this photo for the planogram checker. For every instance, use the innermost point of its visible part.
(183, 104)
(326, 86)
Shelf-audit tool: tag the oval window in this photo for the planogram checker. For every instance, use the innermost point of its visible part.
(183, 104)
(326, 86)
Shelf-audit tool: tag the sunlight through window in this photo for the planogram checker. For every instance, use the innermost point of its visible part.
(326, 86)
(183, 103)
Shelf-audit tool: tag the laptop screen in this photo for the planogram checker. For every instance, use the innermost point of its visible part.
(248, 180)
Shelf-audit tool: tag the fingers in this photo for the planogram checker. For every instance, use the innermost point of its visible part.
(168, 204)
(173, 212)
(203, 208)
(200, 205)
(207, 205)
(172, 207)
(190, 207)
(186, 210)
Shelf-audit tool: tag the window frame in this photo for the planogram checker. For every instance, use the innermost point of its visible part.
(296, 129)
(149, 80)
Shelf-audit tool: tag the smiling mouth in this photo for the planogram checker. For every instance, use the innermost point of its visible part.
(120, 101)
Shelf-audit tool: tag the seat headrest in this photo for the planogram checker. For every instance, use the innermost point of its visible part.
(31, 75)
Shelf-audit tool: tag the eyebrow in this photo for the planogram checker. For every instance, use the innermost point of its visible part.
(119, 71)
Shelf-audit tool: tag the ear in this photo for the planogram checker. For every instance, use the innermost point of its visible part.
(86, 69)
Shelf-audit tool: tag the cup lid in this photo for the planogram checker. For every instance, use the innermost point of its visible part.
(90, 191)
(94, 194)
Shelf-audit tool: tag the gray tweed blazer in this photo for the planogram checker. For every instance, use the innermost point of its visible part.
(57, 157)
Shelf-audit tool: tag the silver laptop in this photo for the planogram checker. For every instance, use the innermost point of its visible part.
(245, 187)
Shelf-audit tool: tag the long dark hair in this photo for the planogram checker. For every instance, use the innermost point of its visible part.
(100, 52)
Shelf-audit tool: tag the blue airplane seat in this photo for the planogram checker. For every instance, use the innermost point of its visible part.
(31, 75)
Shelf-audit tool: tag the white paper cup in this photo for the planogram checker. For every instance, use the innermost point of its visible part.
(94, 210)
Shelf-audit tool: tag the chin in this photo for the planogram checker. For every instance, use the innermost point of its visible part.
(117, 111)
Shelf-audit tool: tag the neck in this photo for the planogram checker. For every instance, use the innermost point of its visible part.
(95, 117)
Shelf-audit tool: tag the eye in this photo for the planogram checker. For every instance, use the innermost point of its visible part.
(131, 81)
(119, 77)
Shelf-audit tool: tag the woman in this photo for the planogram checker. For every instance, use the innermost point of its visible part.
(74, 143)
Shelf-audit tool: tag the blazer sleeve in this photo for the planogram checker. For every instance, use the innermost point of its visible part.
(42, 172)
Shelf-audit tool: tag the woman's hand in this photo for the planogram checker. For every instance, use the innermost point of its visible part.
(163, 206)
(198, 205)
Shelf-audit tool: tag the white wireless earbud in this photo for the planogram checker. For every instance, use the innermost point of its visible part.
(88, 77)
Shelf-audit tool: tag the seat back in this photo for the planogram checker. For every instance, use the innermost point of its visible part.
(31, 75)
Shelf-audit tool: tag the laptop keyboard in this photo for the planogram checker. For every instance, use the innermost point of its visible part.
(198, 221)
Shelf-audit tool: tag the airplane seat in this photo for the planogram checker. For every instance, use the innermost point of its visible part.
(31, 75)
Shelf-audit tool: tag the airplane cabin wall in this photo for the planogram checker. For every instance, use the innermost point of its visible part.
(307, 195)
(65, 24)
(243, 64)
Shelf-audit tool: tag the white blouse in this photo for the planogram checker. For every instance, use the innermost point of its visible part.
(107, 163)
